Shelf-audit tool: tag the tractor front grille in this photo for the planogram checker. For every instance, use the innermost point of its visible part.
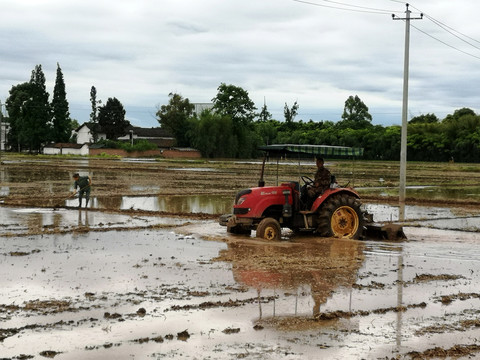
(240, 211)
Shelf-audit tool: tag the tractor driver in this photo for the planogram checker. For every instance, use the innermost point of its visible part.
(322, 180)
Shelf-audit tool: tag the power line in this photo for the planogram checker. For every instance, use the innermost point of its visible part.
(446, 44)
(346, 7)
(452, 32)
(363, 9)
(357, 6)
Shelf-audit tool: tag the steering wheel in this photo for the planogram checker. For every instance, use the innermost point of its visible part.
(307, 180)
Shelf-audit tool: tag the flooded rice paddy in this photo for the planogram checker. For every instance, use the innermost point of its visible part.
(185, 289)
(148, 274)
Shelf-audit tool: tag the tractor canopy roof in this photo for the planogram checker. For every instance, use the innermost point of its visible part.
(319, 150)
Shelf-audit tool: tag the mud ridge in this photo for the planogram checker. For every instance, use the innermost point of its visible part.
(453, 352)
(86, 229)
(227, 304)
(447, 299)
(6, 333)
(349, 314)
(462, 325)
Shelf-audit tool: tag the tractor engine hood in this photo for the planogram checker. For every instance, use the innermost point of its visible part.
(253, 202)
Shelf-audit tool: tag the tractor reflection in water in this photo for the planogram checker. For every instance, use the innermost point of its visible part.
(315, 268)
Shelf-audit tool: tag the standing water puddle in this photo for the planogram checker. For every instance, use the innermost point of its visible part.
(426, 192)
(207, 204)
(45, 220)
(35, 219)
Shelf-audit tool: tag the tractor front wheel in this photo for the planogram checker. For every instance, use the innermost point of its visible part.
(340, 216)
(269, 229)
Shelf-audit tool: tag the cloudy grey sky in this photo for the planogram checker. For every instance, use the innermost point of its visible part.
(315, 52)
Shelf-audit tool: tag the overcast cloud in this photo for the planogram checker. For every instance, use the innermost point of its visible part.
(278, 50)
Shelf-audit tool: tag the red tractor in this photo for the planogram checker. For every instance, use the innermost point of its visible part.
(266, 209)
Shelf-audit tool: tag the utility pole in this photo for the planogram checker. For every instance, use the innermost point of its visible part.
(3, 129)
(403, 141)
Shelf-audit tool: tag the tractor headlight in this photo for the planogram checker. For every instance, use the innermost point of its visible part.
(241, 200)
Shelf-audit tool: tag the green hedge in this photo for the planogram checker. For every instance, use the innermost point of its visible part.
(138, 145)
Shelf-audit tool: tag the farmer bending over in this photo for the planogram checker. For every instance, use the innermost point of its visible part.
(84, 184)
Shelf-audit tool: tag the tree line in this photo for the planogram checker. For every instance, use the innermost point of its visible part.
(234, 129)
(34, 121)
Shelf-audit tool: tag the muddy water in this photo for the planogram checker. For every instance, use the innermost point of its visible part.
(17, 221)
(427, 192)
(45, 220)
(208, 204)
(169, 294)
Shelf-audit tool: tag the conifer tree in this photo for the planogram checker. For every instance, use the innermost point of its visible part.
(61, 115)
(93, 101)
(38, 119)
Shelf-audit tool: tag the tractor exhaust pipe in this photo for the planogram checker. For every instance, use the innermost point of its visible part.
(261, 182)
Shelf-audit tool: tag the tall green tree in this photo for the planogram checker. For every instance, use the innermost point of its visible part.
(267, 131)
(212, 134)
(94, 114)
(18, 106)
(264, 114)
(61, 116)
(427, 141)
(424, 119)
(290, 113)
(355, 114)
(462, 130)
(30, 113)
(94, 103)
(175, 117)
(457, 114)
(234, 101)
(111, 117)
(39, 121)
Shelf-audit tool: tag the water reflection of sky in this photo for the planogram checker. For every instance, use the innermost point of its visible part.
(194, 169)
(207, 204)
(426, 192)
(38, 220)
(426, 216)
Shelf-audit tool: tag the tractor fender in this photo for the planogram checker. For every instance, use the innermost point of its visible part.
(329, 193)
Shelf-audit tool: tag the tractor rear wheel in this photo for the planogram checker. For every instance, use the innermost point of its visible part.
(269, 229)
(340, 216)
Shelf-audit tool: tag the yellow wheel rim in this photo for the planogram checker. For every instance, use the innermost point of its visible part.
(344, 222)
(270, 233)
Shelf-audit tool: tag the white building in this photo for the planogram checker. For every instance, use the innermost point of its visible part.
(66, 149)
(4, 127)
(85, 135)
(199, 107)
